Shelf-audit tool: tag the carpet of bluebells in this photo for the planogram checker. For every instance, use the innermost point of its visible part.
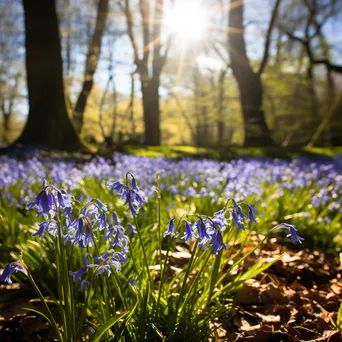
(96, 237)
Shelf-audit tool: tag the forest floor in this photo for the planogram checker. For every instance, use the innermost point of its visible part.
(296, 299)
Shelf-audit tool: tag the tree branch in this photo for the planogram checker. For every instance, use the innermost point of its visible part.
(268, 37)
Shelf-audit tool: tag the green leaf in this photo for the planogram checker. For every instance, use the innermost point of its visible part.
(38, 312)
(339, 318)
(242, 277)
(96, 337)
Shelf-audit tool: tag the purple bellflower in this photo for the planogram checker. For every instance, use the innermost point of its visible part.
(171, 229)
(217, 241)
(202, 230)
(189, 235)
(10, 269)
(293, 232)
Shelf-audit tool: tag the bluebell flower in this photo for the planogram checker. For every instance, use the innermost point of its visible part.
(293, 232)
(237, 220)
(133, 282)
(67, 211)
(103, 268)
(132, 229)
(130, 195)
(84, 284)
(217, 241)
(188, 232)
(83, 236)
(116, 219)
(202, 230)
(171, 229)
(102, 206)
(49, 200)
(10, 269)
(81, 272)
(91, 329)
(220, 219)
(47, 227)
(134, 201)
(251, 215)
(117, 186)
(102, 221)
(134, 184)
(237, 208)
(100, 265)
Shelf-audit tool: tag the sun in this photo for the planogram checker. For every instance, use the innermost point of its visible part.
(187, 19)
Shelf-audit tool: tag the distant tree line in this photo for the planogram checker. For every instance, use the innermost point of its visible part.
(291, 95)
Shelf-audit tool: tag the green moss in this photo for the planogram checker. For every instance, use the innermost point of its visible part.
(232, 152)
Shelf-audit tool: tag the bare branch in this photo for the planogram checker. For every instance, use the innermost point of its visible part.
(268, 37)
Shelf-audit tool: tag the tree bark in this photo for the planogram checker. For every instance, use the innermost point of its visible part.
(91, 64)
(48, 122)
(249, 82)
(150, 97)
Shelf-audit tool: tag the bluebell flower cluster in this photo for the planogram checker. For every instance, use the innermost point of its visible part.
(209, 230)
(130, 194)
(81, 228)
(50, 200)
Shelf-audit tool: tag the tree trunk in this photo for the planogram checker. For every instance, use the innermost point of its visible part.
(220, 108)
(249, 82)
(48, 122)
(131, 106)
(150, 97)
(91, 64)
(333, 115)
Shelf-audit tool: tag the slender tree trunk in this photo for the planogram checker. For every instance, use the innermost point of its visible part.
(91, 64)
(48, 122)
(6, 127)
(131, 105)
(334, 114)
(220, 107)
(150, 97)
(249, 82)
(148, 68)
